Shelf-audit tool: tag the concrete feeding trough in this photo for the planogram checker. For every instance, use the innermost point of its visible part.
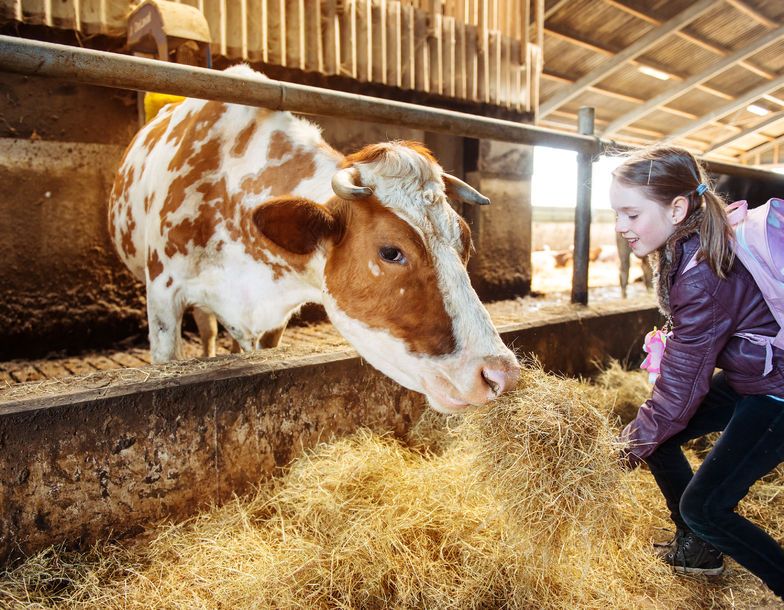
(107, 454)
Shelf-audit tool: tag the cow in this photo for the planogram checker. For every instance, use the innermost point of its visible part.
(624, 256)
(245, 214)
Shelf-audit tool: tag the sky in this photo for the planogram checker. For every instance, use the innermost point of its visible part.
(555, 178)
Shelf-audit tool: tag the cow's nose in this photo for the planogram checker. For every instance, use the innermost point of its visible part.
(500, 374)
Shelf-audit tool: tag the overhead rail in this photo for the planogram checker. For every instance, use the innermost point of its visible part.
(88, 66)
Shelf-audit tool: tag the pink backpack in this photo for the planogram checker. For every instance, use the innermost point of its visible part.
(759, 244)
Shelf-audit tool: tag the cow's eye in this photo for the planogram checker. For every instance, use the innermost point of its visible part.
(392, 255)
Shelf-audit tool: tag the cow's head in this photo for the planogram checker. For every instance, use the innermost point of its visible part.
(395, 280)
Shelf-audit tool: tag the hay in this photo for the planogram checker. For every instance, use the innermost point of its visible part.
(517, 506)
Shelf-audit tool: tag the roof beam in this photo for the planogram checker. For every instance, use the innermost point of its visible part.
(774, 118)
(762, 148)
(693, 81)
(608, 52)
(748, 97)
(631, 52)
(744, 8)
(555, 8)
(693, 38)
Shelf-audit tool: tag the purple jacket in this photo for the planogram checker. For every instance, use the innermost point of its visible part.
(706, 313)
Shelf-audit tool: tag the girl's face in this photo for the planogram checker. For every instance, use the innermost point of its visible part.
(644, 223)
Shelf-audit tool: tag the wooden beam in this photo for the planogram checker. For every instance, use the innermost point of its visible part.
(694, 81)
(638, 48)
(737, 103)
(692, 38)
(774, 118)
(744, 8)
(608, 52)
(555, 8)
(762, 148)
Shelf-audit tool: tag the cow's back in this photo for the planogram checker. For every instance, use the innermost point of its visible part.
(189, 174)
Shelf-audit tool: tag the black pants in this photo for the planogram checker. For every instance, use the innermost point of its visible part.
(751, 445)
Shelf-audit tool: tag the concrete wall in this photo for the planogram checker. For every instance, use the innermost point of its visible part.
(61, 284)
(501, 266)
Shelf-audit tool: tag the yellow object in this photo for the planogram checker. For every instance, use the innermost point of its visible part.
(153, 102)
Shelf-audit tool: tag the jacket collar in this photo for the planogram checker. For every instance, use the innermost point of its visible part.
(675, 253)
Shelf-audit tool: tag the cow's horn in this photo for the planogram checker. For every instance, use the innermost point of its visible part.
(462, 191)
(344, 183)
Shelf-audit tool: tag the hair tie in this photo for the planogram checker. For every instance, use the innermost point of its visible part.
(701, 188)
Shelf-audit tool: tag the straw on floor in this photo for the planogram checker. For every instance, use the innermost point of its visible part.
(521, 505)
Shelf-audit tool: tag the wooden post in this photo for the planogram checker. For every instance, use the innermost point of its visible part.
(582, 213)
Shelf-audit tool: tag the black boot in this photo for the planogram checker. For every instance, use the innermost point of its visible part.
(690, 555)
(663, 547)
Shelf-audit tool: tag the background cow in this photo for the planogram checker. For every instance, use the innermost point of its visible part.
(624, 258)
(246, 214)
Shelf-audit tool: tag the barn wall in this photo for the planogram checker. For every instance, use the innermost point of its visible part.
(61, 284)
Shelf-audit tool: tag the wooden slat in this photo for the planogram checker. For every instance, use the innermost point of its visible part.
(408, 47)
(77, 366)
(294, 33)
(313, 43)
(254, 30)
(472, 62)
(364, 41)
(128, 359)
(379, 42)
(461, 76)
(449, 57)
(421, 63)
(235, 16)
(393, 52)
(275, 43)
(506, 72)
(435, 46)
(330, 40)
(52, 369)
(494, 67)
(63, 14)
(24, 372)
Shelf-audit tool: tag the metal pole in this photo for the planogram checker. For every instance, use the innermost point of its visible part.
(582, 213)
(92, 67)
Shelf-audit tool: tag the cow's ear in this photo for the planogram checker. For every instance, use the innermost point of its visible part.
(296, 224)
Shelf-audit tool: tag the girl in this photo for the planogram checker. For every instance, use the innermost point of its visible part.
(664, 206)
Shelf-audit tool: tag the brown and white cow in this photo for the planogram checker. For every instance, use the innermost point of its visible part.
(247, 213)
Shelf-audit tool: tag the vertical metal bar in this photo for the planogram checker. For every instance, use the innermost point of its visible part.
(582, 213)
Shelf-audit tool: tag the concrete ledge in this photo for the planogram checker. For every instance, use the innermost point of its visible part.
(86, 464)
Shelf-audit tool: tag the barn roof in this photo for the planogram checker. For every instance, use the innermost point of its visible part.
(707, 75)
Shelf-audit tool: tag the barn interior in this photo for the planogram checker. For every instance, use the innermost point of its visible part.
(99, 440)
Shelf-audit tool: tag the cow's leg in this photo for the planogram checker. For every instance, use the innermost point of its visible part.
(272, 337)
(647, 272)
(164, 316)
(624, 252)
(208, 330)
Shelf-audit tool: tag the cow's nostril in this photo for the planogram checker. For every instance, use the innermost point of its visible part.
(491, 379)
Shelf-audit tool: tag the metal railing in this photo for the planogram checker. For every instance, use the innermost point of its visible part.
(87, 66)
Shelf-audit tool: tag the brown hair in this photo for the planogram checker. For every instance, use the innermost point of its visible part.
(666, 172)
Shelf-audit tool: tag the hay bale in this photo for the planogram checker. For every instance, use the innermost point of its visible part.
(517, 506)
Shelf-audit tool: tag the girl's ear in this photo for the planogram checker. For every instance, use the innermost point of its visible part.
(678, 209)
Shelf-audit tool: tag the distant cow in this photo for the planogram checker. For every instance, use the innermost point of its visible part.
(231, 209)
(624, 254)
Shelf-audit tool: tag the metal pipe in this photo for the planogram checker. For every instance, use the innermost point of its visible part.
(93, 67)
(582, 212)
